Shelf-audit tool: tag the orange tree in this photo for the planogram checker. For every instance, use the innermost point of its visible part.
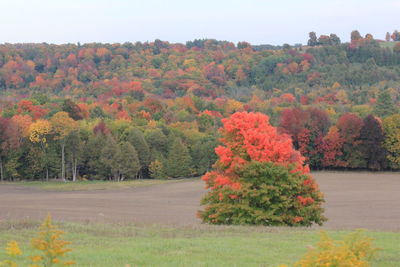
(259, 178)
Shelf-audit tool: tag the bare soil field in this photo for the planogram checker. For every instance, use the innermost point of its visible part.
(353, 200)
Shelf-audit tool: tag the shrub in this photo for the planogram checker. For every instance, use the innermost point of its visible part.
(259, 178)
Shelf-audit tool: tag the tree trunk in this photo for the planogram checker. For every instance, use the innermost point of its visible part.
(74, 169)
(1, 170)
(47, 174)
(63, 160)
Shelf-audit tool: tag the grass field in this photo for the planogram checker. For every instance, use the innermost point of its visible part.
(202, 245)
(167, 233)
(91, 185)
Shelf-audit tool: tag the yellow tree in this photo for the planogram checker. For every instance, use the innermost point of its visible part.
(62, 126)
(38, 133)
(233, 106)
(391, 126)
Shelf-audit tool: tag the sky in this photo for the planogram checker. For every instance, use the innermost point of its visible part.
(177, 21)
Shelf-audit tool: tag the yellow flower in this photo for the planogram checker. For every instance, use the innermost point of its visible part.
(67, 263)
(36, 258)
(13, 248)
(48, 241)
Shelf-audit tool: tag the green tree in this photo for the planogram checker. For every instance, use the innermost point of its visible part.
(178, 163)
(384, 105)
(391, 126)
(156, 169)
(35, 159)
(97, 112)
(205, 123)
(335, 40)
(121, 160)
(136, 138)
(127, 161)
(13, 163)
(110, 155)
(157, 140)
(313, 39)
(92, 154)
(203, 154)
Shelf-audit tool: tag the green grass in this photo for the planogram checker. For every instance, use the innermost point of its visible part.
(92, 185)
(196, 245)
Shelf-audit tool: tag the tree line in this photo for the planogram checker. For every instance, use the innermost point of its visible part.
(62, 148)
(58, 146)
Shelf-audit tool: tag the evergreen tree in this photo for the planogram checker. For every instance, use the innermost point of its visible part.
(334, 39)
(384, 105)
(313, 39)
(157, 140)
(178, 161)
(121, 160)
(127, 161)
(109, 158)
(203, 154)
(135, 137)
(92, 155)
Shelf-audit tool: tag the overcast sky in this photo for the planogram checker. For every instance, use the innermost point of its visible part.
(255, 21)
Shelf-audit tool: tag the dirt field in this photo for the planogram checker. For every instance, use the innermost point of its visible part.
(353, 200)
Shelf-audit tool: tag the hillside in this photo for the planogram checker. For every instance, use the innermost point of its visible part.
(64, 106)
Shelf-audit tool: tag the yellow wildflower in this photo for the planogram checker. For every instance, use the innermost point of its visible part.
(13, 248)
(36, 258)
(355, 250)
(68, 263)
(48, 241)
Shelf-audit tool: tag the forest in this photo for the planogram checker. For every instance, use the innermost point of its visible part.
(153, 110)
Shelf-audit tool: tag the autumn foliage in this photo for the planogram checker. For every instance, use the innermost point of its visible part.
(259, 177)
(61, 104)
